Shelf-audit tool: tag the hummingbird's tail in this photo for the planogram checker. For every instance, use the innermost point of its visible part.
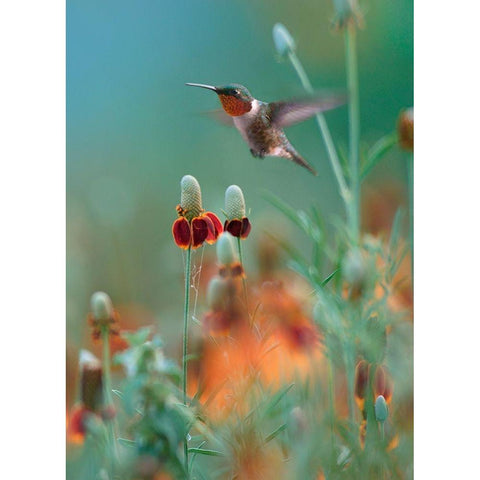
(293, 155)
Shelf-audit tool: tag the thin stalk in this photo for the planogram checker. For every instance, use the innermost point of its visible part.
(188, 265)
(410, 204)
(350, 373)
(244, 281)
(331, 399)
(322, 124)
(107, 393)
(354, 130)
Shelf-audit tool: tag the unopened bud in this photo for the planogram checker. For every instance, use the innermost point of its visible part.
(191, 197)
(91, 380)
(216, 293)
(405, 129)
(361, 381)
(234, 203)
(102, 307)
(226, 254)
(284, 42)
(354, 269)
(381, 409)
(347, 12)
(297, 422)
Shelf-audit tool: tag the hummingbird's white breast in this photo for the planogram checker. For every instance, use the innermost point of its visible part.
(243, 122)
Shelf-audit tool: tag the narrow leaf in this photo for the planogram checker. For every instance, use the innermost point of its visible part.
(276, 432)
(377, 152)
(126, 442)
(325, 282)
(276, 399)
(201, 451)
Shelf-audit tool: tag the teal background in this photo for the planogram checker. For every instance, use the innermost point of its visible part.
(134, 129)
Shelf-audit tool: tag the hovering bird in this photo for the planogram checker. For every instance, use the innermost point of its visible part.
(261, 124)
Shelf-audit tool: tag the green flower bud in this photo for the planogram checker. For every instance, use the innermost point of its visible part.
(216, 293)
(284, 42)
(381, 409)
(234, 203)
(226, 253)
(354, 268)
(102, 307)
(191, 197)
(347, 12)
(297, 423)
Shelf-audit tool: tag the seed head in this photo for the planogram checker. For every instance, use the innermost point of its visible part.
(102, 307)
(284, 42)
(226, 254)
(234, 203)
(191, 197)
(381, 409)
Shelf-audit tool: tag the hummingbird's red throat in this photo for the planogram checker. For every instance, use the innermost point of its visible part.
(233, 106)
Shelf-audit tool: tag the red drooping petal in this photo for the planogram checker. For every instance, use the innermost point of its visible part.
(234, 227)
(217, 227)
(238, 228)
(182, 232)
(201, 227)
(76, 424)
(246, 227)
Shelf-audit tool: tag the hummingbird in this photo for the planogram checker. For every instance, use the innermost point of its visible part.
(261, 124)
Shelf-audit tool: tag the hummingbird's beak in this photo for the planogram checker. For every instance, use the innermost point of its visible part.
(201, 85)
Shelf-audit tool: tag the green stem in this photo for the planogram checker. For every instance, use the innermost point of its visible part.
(107, 393)
(185, 343)
(350, 372)
(354, 130)
(322, 124)
(410, 204)
(244, 281)
(331, 399)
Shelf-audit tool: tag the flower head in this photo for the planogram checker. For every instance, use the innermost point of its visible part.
(102, 315)
(227, 257)
(284, 43)
(237, 223)
(194, 225)
(347, 12)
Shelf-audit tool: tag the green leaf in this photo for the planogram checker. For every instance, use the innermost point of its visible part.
(286, 209)
(126, 442)
(210, 453)
(377, 152)
(276, 432)
(135, 339)
(325, 282)
(118, 393)
(276, 399)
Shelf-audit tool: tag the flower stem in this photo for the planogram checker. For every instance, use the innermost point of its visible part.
(244, 282)
(185, 343)
(331, 400)
(107, 393)
(322, 124)
(410, 204)
(354, 130)
(350, 373)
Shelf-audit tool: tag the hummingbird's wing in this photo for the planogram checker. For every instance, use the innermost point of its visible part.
(221, 117)
(285, 113)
